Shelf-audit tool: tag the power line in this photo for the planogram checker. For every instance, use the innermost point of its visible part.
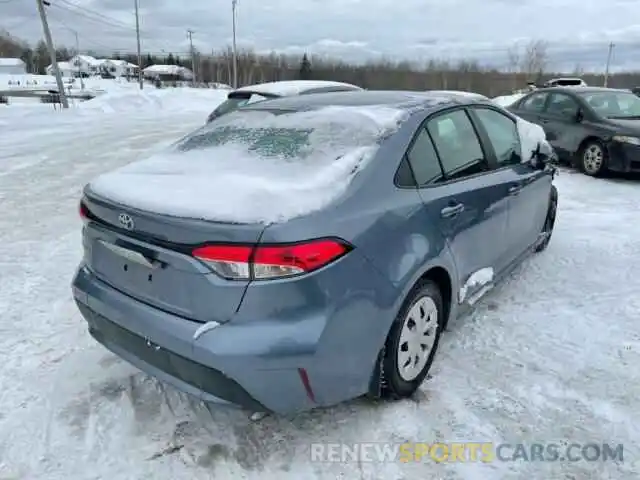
(92, 14)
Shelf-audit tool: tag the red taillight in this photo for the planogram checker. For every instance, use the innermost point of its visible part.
(270, 261)
(84, 211)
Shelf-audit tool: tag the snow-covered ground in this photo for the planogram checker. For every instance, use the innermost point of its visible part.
(550, 355)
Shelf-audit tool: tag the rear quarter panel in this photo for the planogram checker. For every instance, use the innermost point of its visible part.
(387, 225)
(347, 308)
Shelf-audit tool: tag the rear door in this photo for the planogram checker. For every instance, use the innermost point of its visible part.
(149, 257)
(531, 107)
(561, 125)
(457, 186)
(528, 188)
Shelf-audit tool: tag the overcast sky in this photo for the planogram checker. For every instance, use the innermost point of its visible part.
(578, 31)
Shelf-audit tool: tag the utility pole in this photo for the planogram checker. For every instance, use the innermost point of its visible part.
(193, 60)
(78, 53)
(234, 3)
(52, 52)
(138, 41)
(606, 71)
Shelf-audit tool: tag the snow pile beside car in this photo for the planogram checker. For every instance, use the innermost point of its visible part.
(507, 100)
(182, 99)
(254, 166)
(531, 137)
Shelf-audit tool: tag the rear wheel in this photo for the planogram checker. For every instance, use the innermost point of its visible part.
(593, 158)
(412, 342)
(549, 221)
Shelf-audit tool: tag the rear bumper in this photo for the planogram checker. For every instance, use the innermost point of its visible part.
(266, 365)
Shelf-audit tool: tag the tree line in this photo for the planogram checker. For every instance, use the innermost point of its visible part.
(529, 64)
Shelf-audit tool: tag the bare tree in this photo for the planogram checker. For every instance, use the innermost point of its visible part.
(578, 71)
(535, 58)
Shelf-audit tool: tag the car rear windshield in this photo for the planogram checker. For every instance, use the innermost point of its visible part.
(286, 135)
(614, 104)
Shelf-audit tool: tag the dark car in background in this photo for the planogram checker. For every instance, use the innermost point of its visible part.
(592, 128)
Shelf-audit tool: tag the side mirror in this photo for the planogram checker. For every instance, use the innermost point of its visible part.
(579, 115)
(542, 156)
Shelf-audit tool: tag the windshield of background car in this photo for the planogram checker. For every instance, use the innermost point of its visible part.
(326, 133)
(613, 104)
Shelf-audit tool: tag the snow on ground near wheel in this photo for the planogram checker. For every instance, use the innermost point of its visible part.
(551, 355)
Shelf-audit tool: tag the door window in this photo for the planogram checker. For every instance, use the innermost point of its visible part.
(503, 135)
(457, 145)
(424, 160)
(563, 105)
(534, 103)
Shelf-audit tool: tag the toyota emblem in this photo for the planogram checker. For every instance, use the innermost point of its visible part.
(126, 221)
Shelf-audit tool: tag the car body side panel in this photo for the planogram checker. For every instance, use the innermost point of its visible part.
(336, 318)
(565, 135)
(528, 209)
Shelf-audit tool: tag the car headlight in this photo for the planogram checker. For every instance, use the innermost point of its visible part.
(626, 139)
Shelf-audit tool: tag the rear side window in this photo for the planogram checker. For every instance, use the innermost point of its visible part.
(534, 103)
(457, 145)
(503, 135)
(563, 105)
(424, 160)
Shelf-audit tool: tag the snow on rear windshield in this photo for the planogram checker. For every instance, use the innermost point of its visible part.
(255, 166)
(318, 134)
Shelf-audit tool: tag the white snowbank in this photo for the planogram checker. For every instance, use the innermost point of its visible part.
(232, 182)
(507, 100)
(181, 99)
(531, 135)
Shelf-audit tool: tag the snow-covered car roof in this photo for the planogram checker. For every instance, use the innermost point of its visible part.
(461, 93)
(293, 87)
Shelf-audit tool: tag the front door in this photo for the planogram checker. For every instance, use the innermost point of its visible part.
(528, 188)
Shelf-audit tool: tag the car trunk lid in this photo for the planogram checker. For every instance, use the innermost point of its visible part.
(149, 257)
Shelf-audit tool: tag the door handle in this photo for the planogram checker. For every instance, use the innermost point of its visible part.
(515, 190)
(544, 121)
(452, 211)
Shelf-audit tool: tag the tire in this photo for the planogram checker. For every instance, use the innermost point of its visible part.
(550, 220)
(592, 158)
(398, 382)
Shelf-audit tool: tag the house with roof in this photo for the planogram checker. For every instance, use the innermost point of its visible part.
(12, 66)
(84, 65)
(118, 68)
(168, 73)
(66, 70)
